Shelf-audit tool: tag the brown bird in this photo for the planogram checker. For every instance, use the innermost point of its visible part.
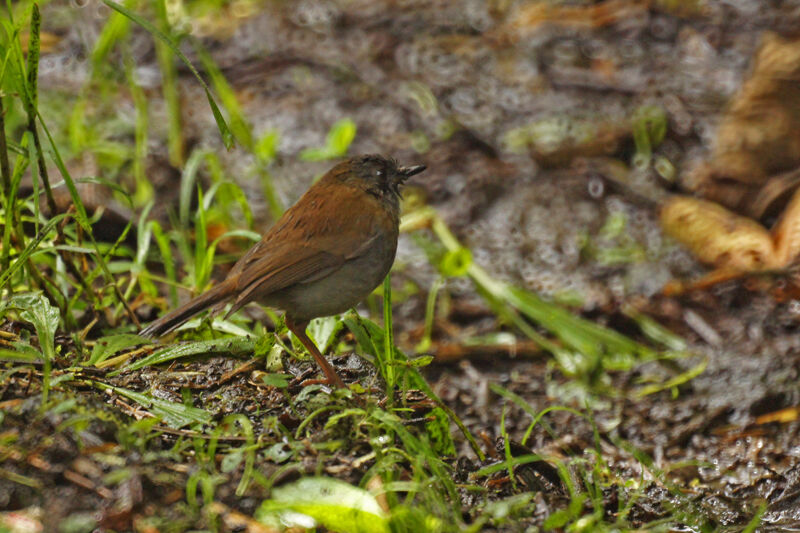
(323, 256)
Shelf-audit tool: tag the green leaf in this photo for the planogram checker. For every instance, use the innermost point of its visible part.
(389, 351)
(231, 461)
(335, 504)
(655, 331)
(556, 520)
(188, 178)
(230, 346)
(114, 30)
(267, 146)
(456, 262)
(418, 362)
(105, 347)
(37, 310)
(19, 352)
(175, 415)
(675, 381)
(323, 331)
(33, 59)
(340, 137)
(280, 381)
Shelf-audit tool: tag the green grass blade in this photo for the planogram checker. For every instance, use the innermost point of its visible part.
(105, 347)
(234, 346)
(241, 129)
(370, 338)
(388, 337)
(225, 132)
(29, 249)
(188, 178)
(175, 415)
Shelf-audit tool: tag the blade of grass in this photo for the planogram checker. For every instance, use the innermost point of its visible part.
(265, 149)
(241, 129)
(597, 344)
(169, 89)
(105, 347)
(675, 381)
(113, 31)
(227, 136)
(162, 241)
(144, 189)
(234, 346)
(30, 101)
(203, 254)
(370, 337)
(175, 415)
(388, 338)
(8, 200)
(187, 189)
(84, 222)
(5, 276)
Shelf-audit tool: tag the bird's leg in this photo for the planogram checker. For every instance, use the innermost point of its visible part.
(299, 330)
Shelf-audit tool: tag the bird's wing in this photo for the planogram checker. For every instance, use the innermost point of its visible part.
(276, 271)
(291, 254)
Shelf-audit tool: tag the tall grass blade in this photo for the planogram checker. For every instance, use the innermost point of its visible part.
(175, 415)
(225, 132)
(388, 337)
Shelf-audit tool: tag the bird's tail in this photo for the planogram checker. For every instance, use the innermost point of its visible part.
(175, 318)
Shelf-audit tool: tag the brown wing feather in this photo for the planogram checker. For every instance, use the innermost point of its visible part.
(304, 270)
(296, 251)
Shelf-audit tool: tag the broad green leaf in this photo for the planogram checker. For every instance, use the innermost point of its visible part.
(105, 347)
(335, 504)
(232, 346)
(280, 381)
(37, 310)
(323, 331)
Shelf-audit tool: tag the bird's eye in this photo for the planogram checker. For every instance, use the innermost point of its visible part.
(379, 173)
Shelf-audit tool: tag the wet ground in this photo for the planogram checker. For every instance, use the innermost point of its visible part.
(525, 119)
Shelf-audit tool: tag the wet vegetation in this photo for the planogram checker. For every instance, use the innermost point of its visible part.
(541, 358)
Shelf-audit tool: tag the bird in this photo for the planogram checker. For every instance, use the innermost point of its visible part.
(323, 256)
